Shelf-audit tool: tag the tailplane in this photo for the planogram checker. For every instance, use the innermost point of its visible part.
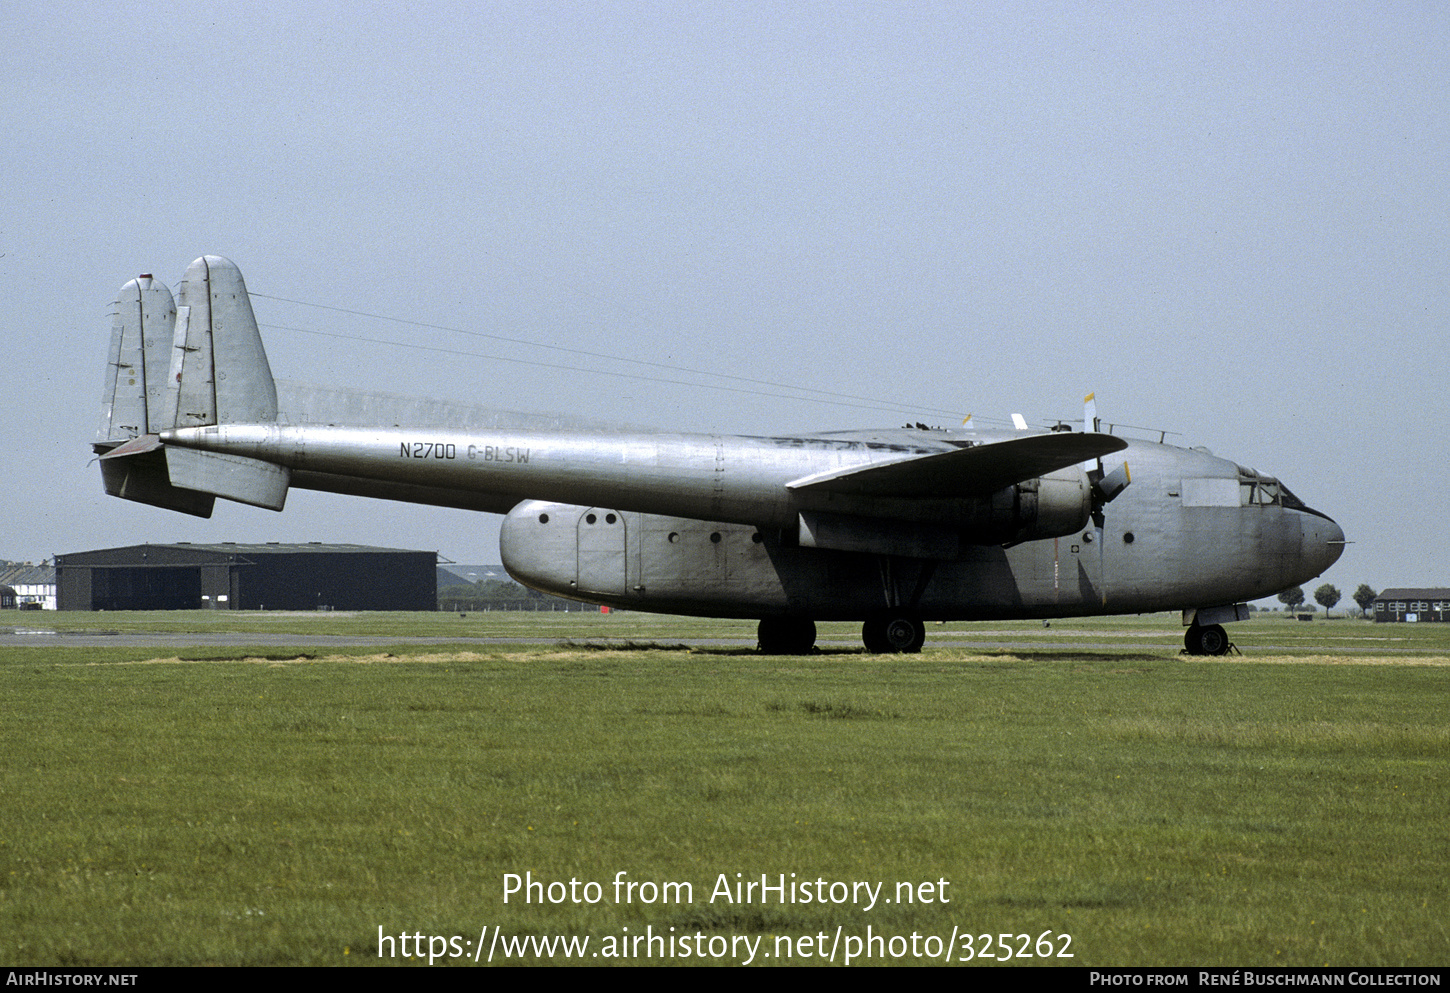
(190, 362)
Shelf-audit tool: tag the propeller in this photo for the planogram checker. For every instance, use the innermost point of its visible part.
(1105, 487)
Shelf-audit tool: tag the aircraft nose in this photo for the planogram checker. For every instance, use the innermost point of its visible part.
(1323, 542)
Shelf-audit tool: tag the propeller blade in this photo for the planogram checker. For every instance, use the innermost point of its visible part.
(1113, 483)
(1090, 424)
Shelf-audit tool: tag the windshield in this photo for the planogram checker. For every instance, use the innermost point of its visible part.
(1259, 490)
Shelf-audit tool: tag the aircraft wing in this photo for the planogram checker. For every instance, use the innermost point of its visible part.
(974, 471)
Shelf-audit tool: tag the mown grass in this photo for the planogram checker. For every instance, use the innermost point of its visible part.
(1154, 631)
(1253, 811)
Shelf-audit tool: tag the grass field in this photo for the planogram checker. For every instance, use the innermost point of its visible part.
(279, 806)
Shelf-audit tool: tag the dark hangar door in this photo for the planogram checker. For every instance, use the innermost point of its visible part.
(146, 588)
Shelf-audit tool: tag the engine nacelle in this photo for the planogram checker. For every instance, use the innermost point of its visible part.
(1050, 506)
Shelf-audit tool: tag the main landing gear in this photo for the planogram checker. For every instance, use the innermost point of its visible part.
(894, 634)
(889, 634)
(1207, 639)
(786, 635)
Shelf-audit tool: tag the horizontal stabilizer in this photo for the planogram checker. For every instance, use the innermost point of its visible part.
(234, 477)
(974, 471)
(140, 474)
(136, 446)
(143, 470)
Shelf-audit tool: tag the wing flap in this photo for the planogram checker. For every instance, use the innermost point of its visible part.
(974, 471)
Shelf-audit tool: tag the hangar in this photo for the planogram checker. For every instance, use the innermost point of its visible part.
(1413, 605)
(228, 576)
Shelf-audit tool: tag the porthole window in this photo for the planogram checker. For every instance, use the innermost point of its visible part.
(590, 519)
(610, 518)
(543, 518)
(715, 537)
(1127, 537)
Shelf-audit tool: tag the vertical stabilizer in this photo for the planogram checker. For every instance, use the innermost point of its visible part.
(195, 362)
(135, 387)
(218, 372)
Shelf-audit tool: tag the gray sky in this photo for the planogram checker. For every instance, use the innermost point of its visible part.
(1228, 220)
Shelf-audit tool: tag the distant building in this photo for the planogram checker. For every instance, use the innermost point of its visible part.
(490, 587)
(33, 585)
(1413, 605)
(454, 574)
(228, 576)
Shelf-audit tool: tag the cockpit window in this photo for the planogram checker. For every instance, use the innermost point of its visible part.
(1293, 502)
(1258, 490)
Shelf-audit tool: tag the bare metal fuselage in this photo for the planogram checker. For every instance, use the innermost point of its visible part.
(707, 524)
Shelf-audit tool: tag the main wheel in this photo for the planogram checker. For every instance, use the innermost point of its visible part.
(786, 635)
(893, 635)
(1210, 639)
(873, 636)
(1213, 640)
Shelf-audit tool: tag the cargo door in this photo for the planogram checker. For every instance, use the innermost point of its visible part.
(601, 541)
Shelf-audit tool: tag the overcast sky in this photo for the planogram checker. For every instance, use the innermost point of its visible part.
(1228, 220)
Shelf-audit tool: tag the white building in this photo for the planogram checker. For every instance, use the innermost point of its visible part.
(34, 585)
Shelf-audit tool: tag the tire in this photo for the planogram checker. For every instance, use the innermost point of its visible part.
(1193, 640)
(786, 635)
(1213, 640)
(898, 634)
(873, 636)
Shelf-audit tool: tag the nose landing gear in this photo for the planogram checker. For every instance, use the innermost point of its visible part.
(1207, 639)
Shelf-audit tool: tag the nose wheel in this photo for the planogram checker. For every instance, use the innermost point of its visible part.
(1207, 639)
(894, 635)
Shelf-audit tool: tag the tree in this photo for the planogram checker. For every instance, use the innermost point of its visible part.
(1364, 596)
(500, 594)
(1292, 597)
(1326, 596)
